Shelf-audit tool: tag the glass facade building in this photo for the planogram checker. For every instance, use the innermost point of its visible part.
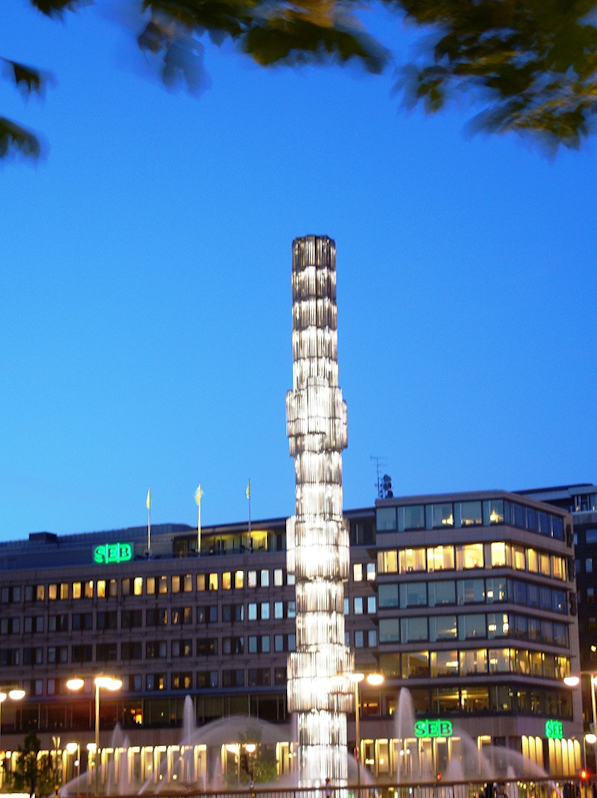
(468, 600)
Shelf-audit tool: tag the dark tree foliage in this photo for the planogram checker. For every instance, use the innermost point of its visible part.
(32, 774)
(529, 65)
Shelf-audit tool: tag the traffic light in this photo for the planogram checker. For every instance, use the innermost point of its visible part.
(583, 775)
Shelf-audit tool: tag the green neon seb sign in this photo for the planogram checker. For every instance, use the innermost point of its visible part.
(554, 729)
(112, 552)
(433, 728)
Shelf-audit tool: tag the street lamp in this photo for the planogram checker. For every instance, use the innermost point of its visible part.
(14, 693)
(108, 683)
(574, 681)
(374, 679)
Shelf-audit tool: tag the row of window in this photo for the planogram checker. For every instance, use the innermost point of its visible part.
(132, 619)
(492, 590)
(473, 555)
(425, 664)
(150, 649)
(437, 700)
(148, 585)
(467, 514)
(185, 680)
(492, 625)
(492, 698)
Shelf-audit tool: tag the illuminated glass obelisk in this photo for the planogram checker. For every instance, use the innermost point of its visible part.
(317, 537)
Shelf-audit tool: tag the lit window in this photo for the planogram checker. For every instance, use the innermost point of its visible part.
(150, 586)
(371, 572)
(412, 560)
(138, 586)
(558, 567)
(496, 511)
(442, 515)
(101, 588)
(544, 566)
(213, 582)
(200, 582)
(387, 562)
(175, 585)
(278, 577)
(163, 584)
(519, 558)
(251, 578)
(239, 579)
(499, 554)
(440, 558)
(357, 572)
(469, 556)
(52, 592)
(226, 580)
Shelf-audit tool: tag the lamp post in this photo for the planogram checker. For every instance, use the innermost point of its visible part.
(108, 683)
(14, 693)
(574, 681)
(374, 679)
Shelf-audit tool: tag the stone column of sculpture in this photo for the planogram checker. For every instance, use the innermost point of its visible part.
(317, 537)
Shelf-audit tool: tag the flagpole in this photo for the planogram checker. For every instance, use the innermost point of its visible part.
(248, 494)
(148, 503)
(198, 495)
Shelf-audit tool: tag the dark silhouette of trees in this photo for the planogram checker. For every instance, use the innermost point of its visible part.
(529, 66)
(32, 774)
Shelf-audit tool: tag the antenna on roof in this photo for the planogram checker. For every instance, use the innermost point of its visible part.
(382, 483)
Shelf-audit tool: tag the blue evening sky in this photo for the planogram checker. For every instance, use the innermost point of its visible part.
(145, 299)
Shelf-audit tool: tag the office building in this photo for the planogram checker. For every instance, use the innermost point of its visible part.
(580, 501)
(466, 599)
